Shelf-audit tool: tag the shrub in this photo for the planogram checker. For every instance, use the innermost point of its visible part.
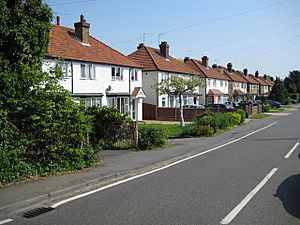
(150, 137)
(237, 117)
(267, 108)
(108, 127)
(243, 115)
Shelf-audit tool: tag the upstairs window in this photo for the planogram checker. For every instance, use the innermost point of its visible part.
(65, 69)
(88, 72)
(134, 75)
(221, 83)
(214, 83)
(208, 82)
(116, 73)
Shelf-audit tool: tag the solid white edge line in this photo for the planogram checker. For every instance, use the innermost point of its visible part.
(227, 219)
(155, 170)
(291, 151)
(6, 221)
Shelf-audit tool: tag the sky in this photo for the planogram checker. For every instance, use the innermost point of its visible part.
(261, 35)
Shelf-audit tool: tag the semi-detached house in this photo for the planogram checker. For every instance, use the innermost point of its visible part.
(237, 86)
(217, 83)
(94, 72)
(158, 65)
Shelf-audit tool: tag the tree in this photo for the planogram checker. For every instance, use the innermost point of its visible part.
(178, 86)
(42, 130)
(279, 92)
(292, 81)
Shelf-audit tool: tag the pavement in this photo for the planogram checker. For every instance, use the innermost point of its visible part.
(115, 165)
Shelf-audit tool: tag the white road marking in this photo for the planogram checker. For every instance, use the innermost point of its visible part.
(227, 219)
(291, 151)
(156, 170)
(6, 221)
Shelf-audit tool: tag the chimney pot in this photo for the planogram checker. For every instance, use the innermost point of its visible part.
(229, 67)
(57, 20)
(164, 49)
(82, 30)
(245, 72)
(141, 45)
(256, 74)
(186, 59)
(205, 61)
(265, 76)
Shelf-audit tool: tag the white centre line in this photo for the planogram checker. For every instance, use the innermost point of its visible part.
(6, 221)
(156, 170)
(291, 151)
(227, 219)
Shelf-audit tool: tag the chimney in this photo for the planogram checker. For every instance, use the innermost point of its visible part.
(245, 72)
(256, 74)
(265, 76)
(214, 66)
(164, 49)
(205, 61)
(141, 45)
(229, 67)
(186, 59)
(82, 30)
(58, 21)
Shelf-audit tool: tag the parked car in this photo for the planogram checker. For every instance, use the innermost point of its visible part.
(194, 106)
(276, 104)
(220, 106)
(245, 102)
(293, 101)
(256, 102)
(234, 104)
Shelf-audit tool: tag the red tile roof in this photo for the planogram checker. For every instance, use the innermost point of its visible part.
(261, 81)
(208, 72)
(64, 44)
(215, 92)
(235, 76)
(250, 78)
(269, 81)
(151, 60)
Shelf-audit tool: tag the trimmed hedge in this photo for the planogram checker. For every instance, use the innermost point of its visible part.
(209, 123)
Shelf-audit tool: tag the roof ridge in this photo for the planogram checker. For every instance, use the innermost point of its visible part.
(155, 63)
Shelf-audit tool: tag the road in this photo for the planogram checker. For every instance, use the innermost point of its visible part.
(251, 181)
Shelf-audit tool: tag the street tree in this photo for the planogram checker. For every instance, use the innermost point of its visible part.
(178, 86)
(279, 92)
(42, 130)
(292, 81)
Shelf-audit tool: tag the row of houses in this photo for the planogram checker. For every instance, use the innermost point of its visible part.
(99, 75)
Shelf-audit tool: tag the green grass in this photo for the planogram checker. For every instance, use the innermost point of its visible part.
(286, 106)
(174, 130)
(259, 116)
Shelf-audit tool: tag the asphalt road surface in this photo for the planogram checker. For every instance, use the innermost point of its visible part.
(253, 181)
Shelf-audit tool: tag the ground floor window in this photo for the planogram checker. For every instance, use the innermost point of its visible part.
(93, 101)
(120, 103)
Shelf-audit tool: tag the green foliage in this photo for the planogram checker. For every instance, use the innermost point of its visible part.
(108, 126)
(42, 129)
(173, 130)
(292, 81)
(150, 138)
(267, 108)
(243, 115)
(209, 123)
(279, 92)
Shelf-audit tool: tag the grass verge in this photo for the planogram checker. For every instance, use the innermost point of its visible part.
(259, 116)
(174, 130)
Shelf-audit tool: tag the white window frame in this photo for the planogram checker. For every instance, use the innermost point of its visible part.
(117, 74)
(121, 103)
(214, 83)
(93, 101)
(134, 75)
(87, 72)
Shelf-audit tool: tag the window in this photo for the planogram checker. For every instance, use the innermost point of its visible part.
(94, 101)
(88, 71)
(208, 82)
(214, 83)
(172, 101)
(116, 73)
(134, 75)
(65, 69)
(163, 102)
(221, 83)
(164, 76)
(121, 103)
